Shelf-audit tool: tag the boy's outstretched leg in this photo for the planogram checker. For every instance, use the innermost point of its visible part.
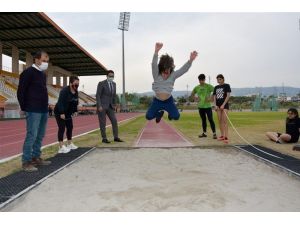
(159, 115)
(155, 111)
(172, 110)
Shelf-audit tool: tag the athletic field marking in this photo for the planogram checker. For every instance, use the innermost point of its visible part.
(273, 163)
(48, 135)
(140, 136)
(54, 143)
(179, 133)
(171, 127)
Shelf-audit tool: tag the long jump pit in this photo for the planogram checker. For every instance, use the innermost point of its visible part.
(176, 179)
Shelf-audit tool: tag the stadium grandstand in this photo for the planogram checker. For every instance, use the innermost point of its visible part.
(23, 34)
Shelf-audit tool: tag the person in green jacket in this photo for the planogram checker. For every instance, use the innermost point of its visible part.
(203, 94)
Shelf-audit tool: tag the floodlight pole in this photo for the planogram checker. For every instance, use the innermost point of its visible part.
(123, 72)
(123, 25)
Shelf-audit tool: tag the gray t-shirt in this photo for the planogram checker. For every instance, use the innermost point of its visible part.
(166, 86)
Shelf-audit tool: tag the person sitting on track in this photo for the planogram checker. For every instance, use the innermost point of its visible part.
(292, 129)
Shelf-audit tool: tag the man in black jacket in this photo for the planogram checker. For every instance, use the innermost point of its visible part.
(106, 103)
(33, 99)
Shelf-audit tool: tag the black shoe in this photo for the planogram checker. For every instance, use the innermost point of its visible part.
(215, 136)
(118, 140)
(39, 162)
(161, 113)
(105, 141)
(202, 135)
(169, 117)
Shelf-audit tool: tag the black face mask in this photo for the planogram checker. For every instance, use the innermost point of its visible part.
(75, 86)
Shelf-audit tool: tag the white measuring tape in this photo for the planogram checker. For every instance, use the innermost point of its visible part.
(233, 127)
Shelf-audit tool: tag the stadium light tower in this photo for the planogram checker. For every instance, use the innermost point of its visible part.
(123, 25)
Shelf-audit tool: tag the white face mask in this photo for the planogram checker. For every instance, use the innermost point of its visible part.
(110, 79)
(43, 66)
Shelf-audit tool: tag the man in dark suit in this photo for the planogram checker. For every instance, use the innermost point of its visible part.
(106, 104)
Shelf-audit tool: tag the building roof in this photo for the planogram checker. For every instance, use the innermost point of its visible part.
(35, 31)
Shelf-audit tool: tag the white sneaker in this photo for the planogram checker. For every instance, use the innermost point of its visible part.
(72, 146)
(64, 150)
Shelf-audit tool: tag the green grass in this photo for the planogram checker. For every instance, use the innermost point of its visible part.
(128, 131)
(188, 120)
(242, 119)
(251, 125)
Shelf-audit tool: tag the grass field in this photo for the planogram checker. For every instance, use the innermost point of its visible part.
(128, 131)
(251, 125)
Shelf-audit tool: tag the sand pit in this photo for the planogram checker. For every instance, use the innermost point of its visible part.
(181, 179)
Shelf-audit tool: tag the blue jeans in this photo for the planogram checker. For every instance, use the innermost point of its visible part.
(35, 131)
(167, 105)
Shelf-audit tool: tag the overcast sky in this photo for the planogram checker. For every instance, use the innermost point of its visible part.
(249, 49)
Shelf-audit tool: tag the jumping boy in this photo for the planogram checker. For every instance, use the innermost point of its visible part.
(164, 78)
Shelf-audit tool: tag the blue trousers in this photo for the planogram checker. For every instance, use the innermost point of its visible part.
(35, 131)
(167, 105)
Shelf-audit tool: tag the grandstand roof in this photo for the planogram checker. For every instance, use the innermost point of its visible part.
(34, 31)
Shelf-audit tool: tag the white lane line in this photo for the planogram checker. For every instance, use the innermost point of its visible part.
(269, 161)
(140, 136)
(180, 134)
(79, 135)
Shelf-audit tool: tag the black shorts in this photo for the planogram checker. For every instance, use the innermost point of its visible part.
(225, 107)
(294, 139)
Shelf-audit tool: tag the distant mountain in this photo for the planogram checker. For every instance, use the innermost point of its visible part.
(264, 91)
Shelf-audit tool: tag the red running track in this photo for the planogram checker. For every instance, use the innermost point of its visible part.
(161, 135)
(12, 133)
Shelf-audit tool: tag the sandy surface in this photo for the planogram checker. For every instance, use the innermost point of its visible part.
(165, 180)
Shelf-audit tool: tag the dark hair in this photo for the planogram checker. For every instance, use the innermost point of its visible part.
(220, 76)
(201, 77)
(110, 71)
(72, 79)
(39, 54)
(294, 111)
(165, 62)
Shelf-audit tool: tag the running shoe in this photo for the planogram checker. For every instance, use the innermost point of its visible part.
(64, 150)
(202, 135)
(28, 167)
(226, 141)
(160, 115)
(72, 146)
(221, 138)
